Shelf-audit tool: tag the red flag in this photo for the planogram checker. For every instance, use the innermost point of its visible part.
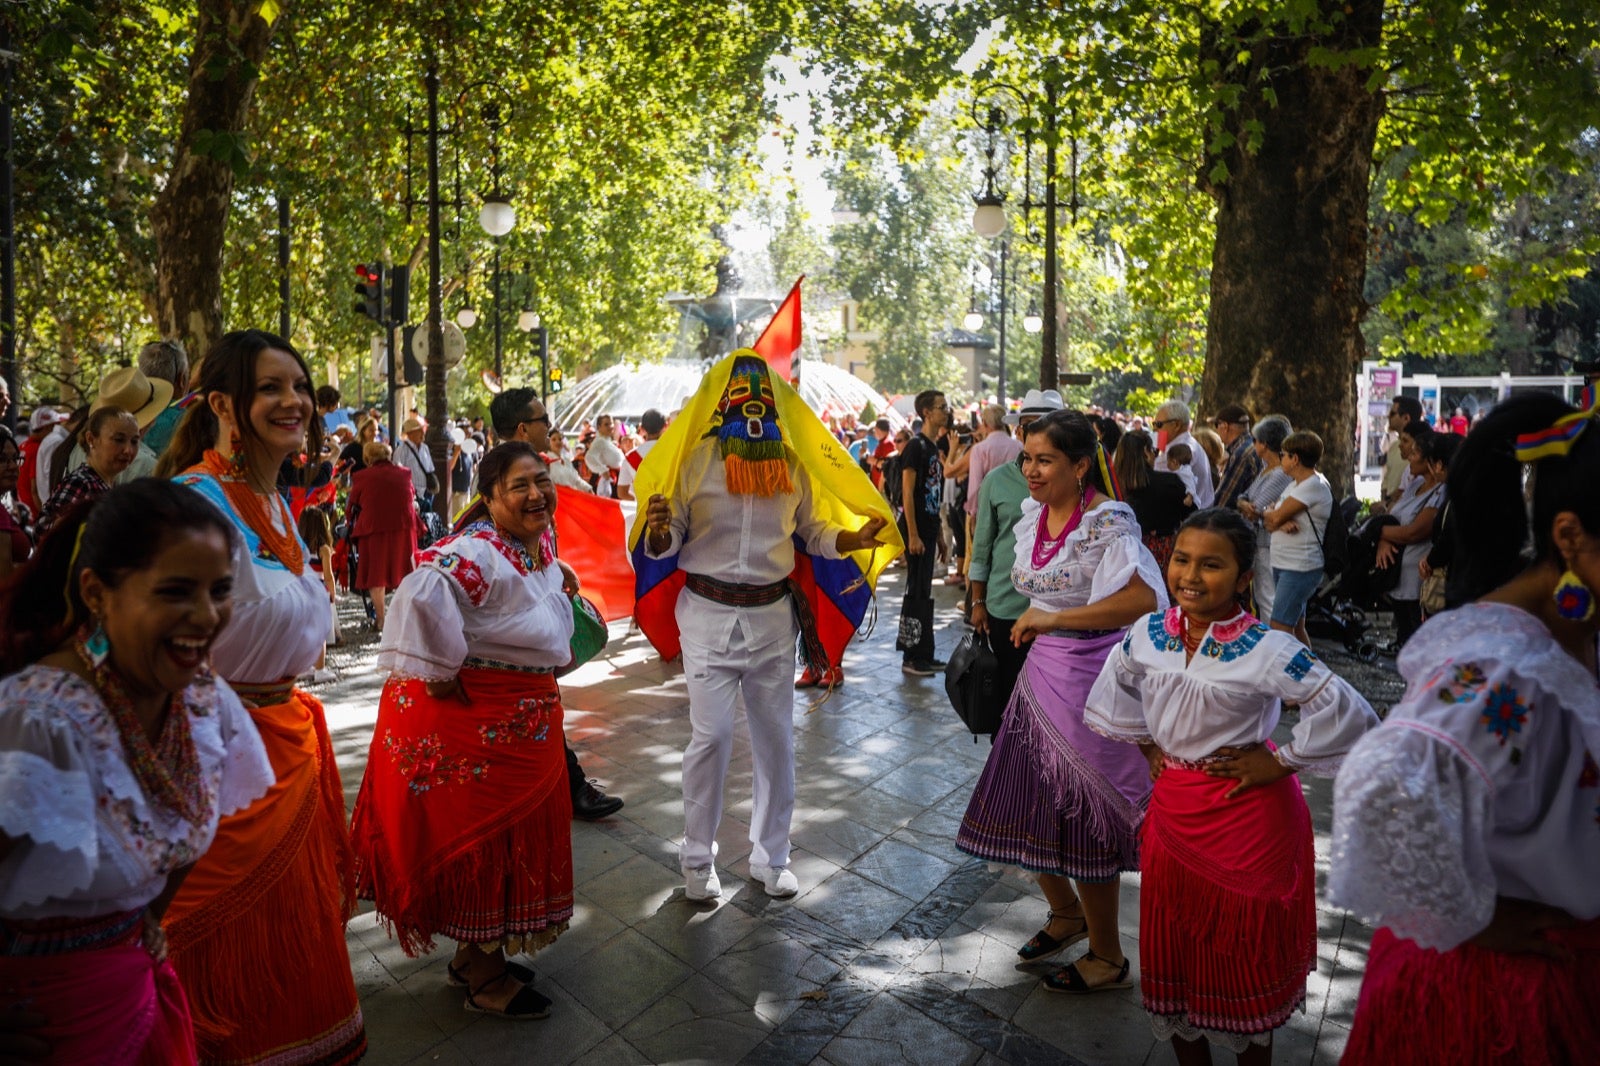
(781, 339)
(594, 542)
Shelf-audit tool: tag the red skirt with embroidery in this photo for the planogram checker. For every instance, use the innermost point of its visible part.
(1227, 909)
(463, 826)
(1471, 1005)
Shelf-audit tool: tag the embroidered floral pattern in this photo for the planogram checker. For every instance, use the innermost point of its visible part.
(1465, 682)
(1301, 664)
(1235, 628)
(1504, 712)
(425, 765)
(1164, 631)
(463, 571)
(1228, 649)
(530, 722)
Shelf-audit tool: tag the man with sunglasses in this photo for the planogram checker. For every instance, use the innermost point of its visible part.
(1172, 427)
(517, 414)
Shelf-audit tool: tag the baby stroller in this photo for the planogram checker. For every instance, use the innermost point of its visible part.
(1338, 610)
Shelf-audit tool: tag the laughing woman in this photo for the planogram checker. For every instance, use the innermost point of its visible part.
(463, 827)
(257, 931)
(118, 753)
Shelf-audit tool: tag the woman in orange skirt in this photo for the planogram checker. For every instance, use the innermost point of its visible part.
(463, 827)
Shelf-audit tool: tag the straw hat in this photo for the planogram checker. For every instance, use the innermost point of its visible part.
(141, 397)
(1036, 402)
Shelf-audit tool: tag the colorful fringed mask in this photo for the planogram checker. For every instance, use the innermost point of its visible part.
(748, 437)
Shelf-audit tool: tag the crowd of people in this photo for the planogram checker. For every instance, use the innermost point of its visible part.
(170, 804)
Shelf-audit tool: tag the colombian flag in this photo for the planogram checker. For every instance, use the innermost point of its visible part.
(838, 590)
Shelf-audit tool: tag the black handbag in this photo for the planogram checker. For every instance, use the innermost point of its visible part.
(972, 681)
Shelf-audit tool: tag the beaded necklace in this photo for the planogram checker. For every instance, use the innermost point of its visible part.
(247, 504)
(1046, 549)
(168, 772)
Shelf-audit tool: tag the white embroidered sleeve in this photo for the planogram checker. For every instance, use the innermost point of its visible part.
(1115, 707)
(424, 635)
(1333, 715)
(1121, 558)
(1410, 827)
(46, 798)
(246, 771)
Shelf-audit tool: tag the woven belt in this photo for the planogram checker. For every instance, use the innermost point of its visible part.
(266, 693)
(1081, 634)
(475, 663)
(733, 594)
(59, 936)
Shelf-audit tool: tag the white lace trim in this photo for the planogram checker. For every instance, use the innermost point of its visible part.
(1167, 1026)
(48, 804)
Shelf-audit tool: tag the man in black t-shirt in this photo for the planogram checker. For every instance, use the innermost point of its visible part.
(921, 494)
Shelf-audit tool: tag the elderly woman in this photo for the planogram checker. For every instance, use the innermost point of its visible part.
(119, 752)
(110, 442)
(383, 524)
(1268, 436)
(463, 824)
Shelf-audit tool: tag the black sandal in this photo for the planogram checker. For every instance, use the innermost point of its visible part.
(1068, 979)
(458, 979)
(526, 1005)
(1043, 945)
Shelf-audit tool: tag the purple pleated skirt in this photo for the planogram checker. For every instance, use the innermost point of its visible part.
(1055, 796)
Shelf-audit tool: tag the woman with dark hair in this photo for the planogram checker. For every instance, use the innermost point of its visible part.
(463, 824)
(1267, 437)
(110, 443)
(257, 931)
(1406, 541)
(118, 753)
(1298, 522)
(1155, 496)
(1227, 846)
(1434, 569)
(383, 525)
(1054, 797)
(1464, 826)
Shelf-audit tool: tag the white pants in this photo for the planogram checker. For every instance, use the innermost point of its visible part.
(1264, 585)
(716, 678)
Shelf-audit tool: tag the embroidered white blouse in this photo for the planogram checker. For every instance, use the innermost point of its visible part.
(1098, 559)
(1229, 695)
(88, 840)
(476, 593)
(1481, 782)
(280, 621)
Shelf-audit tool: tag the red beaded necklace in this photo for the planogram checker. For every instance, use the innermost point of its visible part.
(248, 505)
(1046, 549)
(169, 771)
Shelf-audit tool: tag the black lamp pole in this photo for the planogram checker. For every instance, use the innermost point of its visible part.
(498, 370)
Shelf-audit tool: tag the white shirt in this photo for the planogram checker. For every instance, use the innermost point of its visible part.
(419, 461)
(742, 539)
(1204, 492)
(475, 593)
(1186, 475)
(1302, 549)
(280, 621)
(88, 840)
(1097, 560)
(562, 473)
(602, 457)
(47, 448)
(1228, 695)
(1481, 782)
(625, 473)
(1412, 502)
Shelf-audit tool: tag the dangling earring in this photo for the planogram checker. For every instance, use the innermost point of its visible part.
(1574, 600)
(236, 460)
(97, 645)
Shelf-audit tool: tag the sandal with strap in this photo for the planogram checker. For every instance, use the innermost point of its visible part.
(1043, 945)
(458, 978)
(1068, 979)
(526, 1005)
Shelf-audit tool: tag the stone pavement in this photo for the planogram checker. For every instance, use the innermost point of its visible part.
(899, 948)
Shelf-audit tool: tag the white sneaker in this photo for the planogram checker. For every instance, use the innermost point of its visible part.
(701, 884)
(778, 880)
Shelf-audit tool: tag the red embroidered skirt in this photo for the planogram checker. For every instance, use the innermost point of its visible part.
(463, 826)
(1227, 908)
(1470, 1005)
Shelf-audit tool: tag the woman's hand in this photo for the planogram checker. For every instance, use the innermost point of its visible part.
(1253, 766)
(1291, 526)
(980, 618)
(569, 579)
(1032, 623)
(1388, 551)
(1518, 928)
(450, 688)
(1423, 569)
(153, 937)
(1154, 756)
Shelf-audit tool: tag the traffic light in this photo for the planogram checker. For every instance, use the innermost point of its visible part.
(369, 291)
(555, 379)
(399, 295)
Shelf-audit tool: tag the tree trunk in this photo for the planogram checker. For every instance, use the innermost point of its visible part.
(190, 216)
(1283, 331)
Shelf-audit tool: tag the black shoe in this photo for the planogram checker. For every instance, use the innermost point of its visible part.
(937, 664)
(590, 804)
(919, 669)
